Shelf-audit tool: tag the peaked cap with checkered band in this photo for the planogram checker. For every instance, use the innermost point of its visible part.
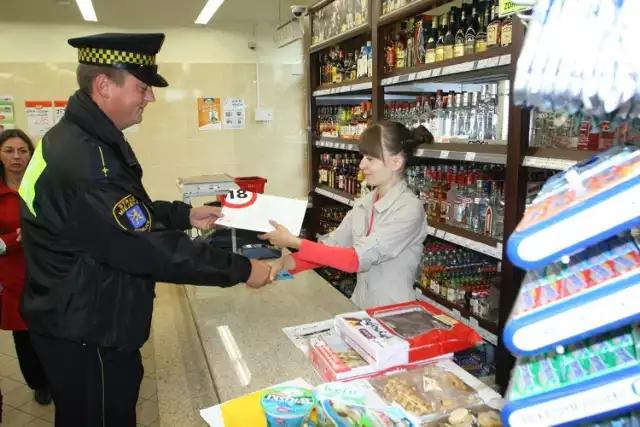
(134, 52)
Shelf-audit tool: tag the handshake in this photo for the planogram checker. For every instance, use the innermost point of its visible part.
(263, 273)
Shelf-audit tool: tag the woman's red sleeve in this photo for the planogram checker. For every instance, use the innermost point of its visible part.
(314, 255)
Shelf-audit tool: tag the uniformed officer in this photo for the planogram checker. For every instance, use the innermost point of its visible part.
(95, 242)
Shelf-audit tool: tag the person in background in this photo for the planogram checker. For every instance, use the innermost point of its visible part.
(382, 237)
(96, 244)
(15, 152)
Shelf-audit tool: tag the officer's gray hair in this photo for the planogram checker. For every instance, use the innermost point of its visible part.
(86, 75)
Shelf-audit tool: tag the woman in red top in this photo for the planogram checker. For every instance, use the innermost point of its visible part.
(15, 152)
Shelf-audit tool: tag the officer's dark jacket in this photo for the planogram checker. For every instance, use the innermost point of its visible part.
(95, 243)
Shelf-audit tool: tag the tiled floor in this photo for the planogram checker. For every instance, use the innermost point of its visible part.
(20, 410)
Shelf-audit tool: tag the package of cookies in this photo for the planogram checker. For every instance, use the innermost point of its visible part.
(435, 391)
(404, 333)
(334, 360)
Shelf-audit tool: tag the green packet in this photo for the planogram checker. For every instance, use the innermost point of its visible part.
(581, 361)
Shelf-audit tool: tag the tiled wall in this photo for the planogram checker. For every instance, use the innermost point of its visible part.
(168, 142)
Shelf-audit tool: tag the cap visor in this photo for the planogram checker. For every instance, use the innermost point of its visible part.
(150, 78)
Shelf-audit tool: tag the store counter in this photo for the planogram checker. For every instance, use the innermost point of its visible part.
(241, 330)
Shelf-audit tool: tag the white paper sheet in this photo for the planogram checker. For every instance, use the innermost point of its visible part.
(252, 211)
(299, 335)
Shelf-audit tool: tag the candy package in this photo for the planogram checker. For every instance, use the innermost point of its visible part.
(602, 278)
(587, 378)
(554, 225)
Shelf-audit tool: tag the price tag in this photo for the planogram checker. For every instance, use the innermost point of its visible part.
(505, 59)
(412, 77)
(444, 154)
(440, 234)
(395, 80)
(451, 69)
(425, 74)
(470, 157)
(436, 72)
(464, 320)
(420, 152)
(488, 63)
(456, 314)
(464, 67)
(342, 146)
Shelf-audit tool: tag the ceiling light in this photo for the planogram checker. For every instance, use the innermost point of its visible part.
(208, 11)
(87, 11)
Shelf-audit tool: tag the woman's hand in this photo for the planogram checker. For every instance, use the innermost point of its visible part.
(285, 262)
(281, 237)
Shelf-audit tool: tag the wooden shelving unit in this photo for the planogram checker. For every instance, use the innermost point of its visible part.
(487, 67)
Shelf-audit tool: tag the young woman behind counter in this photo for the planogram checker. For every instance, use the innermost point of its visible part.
(381, 238)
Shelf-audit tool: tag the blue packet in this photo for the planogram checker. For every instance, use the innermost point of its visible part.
(284, 275)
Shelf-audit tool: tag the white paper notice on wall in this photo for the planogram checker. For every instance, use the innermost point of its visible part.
(39, 117)
(59, 107)
(252, 211)
(234, 114)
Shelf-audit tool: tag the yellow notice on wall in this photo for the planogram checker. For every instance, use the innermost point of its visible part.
(209, 114)
(508, 7)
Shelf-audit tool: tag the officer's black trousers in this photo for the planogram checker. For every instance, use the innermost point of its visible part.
(30, 365)
(90, 386)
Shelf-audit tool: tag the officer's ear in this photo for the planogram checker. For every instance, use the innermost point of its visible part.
(102, 86)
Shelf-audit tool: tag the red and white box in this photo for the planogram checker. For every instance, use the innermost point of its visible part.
(403, 334)
(334, 360)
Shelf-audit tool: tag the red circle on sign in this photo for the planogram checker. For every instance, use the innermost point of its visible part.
(252, 199)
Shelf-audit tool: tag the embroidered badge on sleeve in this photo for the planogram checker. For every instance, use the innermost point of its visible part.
(132, 215)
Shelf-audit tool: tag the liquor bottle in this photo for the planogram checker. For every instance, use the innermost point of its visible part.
(369, 60)
(385, 6)
(449, 115)
(450, 36)
(458, 49)
(491, 112)
(410, 59)
(390, 53)
(430, 53)
(401, 47)
(481, 116)
(334, 67)
(481, 36)
(351, 18)
(505, 31)
(441, 34)
(425, 115)
(351, 67)
(358, 13)
(494, 29)
(440, 116)
(462, 116)
(470, 34)
(472, 128)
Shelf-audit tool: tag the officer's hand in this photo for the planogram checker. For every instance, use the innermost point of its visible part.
(260, 274)
(19, 238)
(204, 217)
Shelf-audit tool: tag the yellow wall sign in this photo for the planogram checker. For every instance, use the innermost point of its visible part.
(508, 7)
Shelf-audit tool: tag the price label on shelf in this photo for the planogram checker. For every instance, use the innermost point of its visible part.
(412, 77)
(395, 80)
(470, 157)
(444, 154)
(425, 74)
(342, 146)
(505, 59)
(456, 314)
(440, 234)
(436, 72)
(420, 152)
(473, 322)
(488, 63)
